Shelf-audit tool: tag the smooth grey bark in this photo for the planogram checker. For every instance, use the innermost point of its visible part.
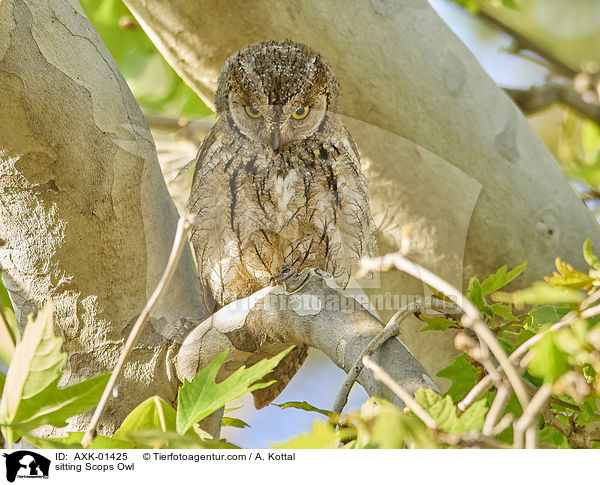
(318, 314)
(84, 209)
(445, 150)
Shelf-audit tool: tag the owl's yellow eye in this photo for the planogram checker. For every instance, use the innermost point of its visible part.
(301, 113)
(253, 112)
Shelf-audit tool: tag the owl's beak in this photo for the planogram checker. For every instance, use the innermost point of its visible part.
(275, 139)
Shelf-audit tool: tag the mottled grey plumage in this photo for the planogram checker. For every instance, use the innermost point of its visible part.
(283, 186)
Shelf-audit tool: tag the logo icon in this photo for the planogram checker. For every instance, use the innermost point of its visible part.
(25, 463)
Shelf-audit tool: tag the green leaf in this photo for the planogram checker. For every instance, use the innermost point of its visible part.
(322, 435)
(384, 425)
(589, 255)
(463, 376)
(202, 396)
(234, 408)
(470, 5)
(9, 334)
(53, 405)
(304, 406)
(504, 311)
(155, 438)
(473, 417)
(475, 294)
(573, 341)
(30, 397)
(73, 440)
(548, 362)
(437, 323)
(588, 410)
(37, 362)
(508, 345)
(524, 334)
(153, 413)
(234, 422)
(568, 277)
(551, 436)
(501, 278)
(473, 5)
(446, 414)
(543, 316)
(540, 293)
(589, 373)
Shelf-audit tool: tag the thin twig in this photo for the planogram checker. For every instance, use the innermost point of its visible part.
(524, 43)
(382, 376)
(164, 123)
(472, 438)
(528, 418)
(471, 319)
(502, 396)
(183, 227)
(593, 298)
(591, 312)
(539, 98)
(578, 436)
(532, 389)
(504, 423)
(392, 329)
(484, 384)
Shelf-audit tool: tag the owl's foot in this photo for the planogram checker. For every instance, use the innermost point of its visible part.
(290, 278)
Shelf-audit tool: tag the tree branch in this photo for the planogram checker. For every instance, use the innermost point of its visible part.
(470, 320)
(402, 393)
(181, 238)
(392, 329)
(524, 43)
(318, 314)
(539, 98)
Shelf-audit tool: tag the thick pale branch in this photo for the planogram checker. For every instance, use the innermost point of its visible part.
(318, 314)
(392, 329)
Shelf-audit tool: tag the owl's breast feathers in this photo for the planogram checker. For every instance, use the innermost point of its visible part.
(306, 206)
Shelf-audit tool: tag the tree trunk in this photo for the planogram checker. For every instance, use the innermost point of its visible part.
(84, 209)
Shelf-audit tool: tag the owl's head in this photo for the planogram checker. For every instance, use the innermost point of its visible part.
(278, 93)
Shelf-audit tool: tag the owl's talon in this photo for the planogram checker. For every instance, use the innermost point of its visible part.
(287, 272)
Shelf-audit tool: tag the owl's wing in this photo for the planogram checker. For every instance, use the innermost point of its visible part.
(358, 213)
(194, 163)
(354, 233)
(210, 200)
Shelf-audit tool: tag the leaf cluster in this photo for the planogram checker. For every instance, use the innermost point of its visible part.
(32, 397)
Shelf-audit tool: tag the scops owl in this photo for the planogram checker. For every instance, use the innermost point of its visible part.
(277, 181)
